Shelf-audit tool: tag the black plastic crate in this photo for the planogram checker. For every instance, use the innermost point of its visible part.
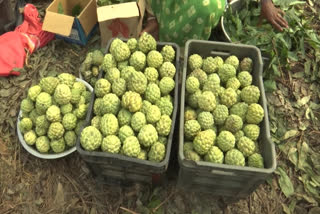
(222, 179)
(119, 169)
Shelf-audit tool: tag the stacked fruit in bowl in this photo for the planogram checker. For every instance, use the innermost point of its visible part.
(52, 114)
(134, 100)
(222, 113)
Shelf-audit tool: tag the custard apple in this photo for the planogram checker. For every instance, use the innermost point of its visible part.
(209, 65)
(124, 117)
(131, 147)
(245, 78)
(148, 135)
(53, 114)
(111, 144)
(75, 96)
(132, 44)
(195, 61)
(30, 137)
(112, 74)
(41, 131)
(27, 105)
(132, 101)
(163, 140)
(157, 152)
(228, 97)
(55, 131)
(79, 126)
(168, 53)
(33, 92)
(62, 94)
(226, 141)
(192, 99)
(209, 85)
(246, 64)
(143, 155)
(95, 121)
(207, 101)
(226, 72)
(251, 131)
(151, 74)
(109, 125)
(114, 44)
(200, 75)
(152, 93)
(124, 132)
(42, 122)
(66, 79)
(238, 135)
(90, 138)
(167, 69)
(164, 125)
(126, 73)
(49, 84)
(138, 120)
(250, 94)
(98, 107)
(108, 62)
(255, 114)
(256, 160)
(122, 65)
(220, 114)
(191, 128)
(165, 106)
(214, 78)
(192, 84)
(203, 141)
(214, 155)
(233, 83)
(70, 138)
(153, 114)
(58, 145)
(111, 104)
(79, 86)
(154, 59)
(187, 146)
(234, 157)
(138, 60)
(87, 96)
(233, 123)
(246, 146)
(43, 144)
(43, 102)
(33, 115)
(121, 52)
(81, 111)
(119, 87)
(69, 121)
(166, 85)
(191, 155)
(25, 125)
(138, 82)
(240, 109)
(205, 120)
(189, 114)
(146, 43)
(232, 60)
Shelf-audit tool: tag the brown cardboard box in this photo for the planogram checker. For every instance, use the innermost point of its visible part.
(73, 29)
(120, 20)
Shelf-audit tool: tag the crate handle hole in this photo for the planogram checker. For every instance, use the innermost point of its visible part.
(219, 53)
(219, 172)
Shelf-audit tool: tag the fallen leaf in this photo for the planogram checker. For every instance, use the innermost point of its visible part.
(289, 134)
(285, 182)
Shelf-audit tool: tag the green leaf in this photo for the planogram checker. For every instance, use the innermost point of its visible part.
(270, 85)
(303, 101)
(285, 182)
(293, 155)
(60, 8)
(289, 134)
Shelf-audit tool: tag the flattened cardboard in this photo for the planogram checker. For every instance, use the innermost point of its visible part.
(124, 10)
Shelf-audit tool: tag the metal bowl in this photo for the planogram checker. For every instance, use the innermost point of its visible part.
(32, 150)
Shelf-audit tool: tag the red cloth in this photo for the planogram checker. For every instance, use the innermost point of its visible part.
(29, 35)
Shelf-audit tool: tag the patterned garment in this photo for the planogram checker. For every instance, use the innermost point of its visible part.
(181, 20)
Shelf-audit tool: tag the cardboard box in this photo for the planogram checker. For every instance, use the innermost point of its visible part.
(72, 29)
(120, 20)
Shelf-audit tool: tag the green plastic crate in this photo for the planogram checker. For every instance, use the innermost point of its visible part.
(222, 179)
(119, 169)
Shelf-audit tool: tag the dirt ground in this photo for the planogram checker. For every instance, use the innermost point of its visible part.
(32, 185)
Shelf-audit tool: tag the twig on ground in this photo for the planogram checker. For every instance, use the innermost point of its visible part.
(127, 210)
(163, 202)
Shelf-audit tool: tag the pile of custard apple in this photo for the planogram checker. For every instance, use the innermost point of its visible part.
(53, 113)
(222, 112)
(134, 100)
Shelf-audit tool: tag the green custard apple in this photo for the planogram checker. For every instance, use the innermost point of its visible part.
(111, 144)
(90, 138)
(234, 157)
(157, 152)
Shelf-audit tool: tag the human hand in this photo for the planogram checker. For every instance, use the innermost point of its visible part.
(273, 15)
(152, 28)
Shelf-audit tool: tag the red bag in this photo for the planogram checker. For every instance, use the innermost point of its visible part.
(29, 35)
